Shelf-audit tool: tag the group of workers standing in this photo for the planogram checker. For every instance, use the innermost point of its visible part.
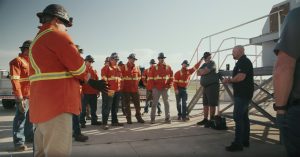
(61, 84)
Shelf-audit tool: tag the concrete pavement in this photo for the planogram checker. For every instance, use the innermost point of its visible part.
(179, 139)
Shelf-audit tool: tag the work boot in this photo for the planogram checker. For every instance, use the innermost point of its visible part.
(144, 113)
(168, 121)
(208, 124)
(186, 119)
(21, 148)
(129, 120)
(105, 127)
(203, 122)
(159, 113)
(234, 147)
(83, 125)
(140, 120)
(81, 138)
(96, 123)
(179, 118)
(152, 121)
(246, 144)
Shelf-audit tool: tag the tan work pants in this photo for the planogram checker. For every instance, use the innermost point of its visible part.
(54, 137)
(156, 95)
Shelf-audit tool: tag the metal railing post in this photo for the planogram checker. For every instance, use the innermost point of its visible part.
(279, 24)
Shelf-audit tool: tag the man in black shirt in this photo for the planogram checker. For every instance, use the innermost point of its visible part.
(286, 77)
(243, 88)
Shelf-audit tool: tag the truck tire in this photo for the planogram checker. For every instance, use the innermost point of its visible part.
(8, 103)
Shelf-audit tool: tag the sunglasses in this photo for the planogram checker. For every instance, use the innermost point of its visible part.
(63, 22)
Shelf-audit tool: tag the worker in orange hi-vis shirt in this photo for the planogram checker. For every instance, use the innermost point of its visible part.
(161, 79)
(131, 76)
(120, 64)
(111, 73)
(181, 80)
(56, 69)
(149, 97)
(89, 94)
(19, 71)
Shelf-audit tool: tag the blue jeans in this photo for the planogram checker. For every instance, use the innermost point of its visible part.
(241, 119)
(149, 103)
(110, 104)
(181, 99)
(22, 128)
(76, 127)
(90, 99)
(290, 130)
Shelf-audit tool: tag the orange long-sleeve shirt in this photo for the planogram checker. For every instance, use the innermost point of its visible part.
(145, 77)
(19, 71)
(55, 70)
(161, 76)
(87, 89)
(131, 76)
(182, 77)
(112, 75)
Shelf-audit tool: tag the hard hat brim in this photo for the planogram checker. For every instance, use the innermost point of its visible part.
(66, 22)
(23, 47)
(131, 58)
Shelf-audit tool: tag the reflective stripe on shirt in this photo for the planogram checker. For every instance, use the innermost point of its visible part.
(162, 78)
(38, 76)
(131, 78)
(14, 77)
(181, 81)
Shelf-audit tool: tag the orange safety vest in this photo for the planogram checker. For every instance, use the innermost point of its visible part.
(160, 76)
(112, 75)
(87, 89)
(131, 76)
(19, 72)
(182, 77)
(55, 70)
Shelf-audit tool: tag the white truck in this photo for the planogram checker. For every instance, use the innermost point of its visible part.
(6, 92)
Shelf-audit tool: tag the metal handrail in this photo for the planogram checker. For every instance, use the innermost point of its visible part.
(231, 28)
(218, 50)
(228, 39)
(256, 55)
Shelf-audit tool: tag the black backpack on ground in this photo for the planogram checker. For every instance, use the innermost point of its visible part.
(218, 123)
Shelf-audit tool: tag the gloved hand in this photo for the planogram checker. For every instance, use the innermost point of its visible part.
(100, 85)
(21, 105)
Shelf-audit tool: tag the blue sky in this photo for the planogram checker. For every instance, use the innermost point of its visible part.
(144, 27)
